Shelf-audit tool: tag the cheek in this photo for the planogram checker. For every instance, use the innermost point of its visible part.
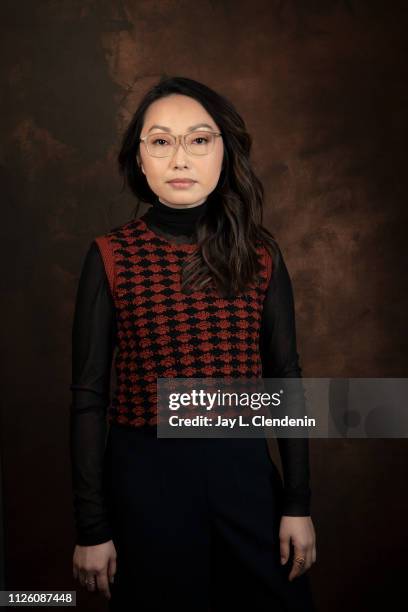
(153, 167)
(214, 169)
(218, 159)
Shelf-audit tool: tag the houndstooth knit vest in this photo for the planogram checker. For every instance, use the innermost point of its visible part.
(161, 332)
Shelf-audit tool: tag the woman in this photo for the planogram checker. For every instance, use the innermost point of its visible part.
(181, 524)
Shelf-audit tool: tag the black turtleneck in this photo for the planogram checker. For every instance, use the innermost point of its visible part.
(177, 221)
(93, 344)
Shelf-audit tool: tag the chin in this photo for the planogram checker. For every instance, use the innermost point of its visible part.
(183, 197)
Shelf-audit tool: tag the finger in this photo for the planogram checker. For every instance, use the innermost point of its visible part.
(88, 581)
(295, 570)
(112, 569)
(314, 554)
(298, 563)
(82, 578)
(75, 572)
(91, 583)
(308, 563)
(284, 550)
(103, 584)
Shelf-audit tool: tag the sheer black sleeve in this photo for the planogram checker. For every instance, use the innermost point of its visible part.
(280, 359)
(93, 342)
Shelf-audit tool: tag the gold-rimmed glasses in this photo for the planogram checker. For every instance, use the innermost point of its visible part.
(199, 142)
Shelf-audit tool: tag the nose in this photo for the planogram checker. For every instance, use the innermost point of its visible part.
(179, 157)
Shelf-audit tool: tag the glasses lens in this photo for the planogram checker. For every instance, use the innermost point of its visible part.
(200, 143)
(160, 145)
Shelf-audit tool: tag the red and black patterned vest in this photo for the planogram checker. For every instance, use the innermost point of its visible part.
(163, 333)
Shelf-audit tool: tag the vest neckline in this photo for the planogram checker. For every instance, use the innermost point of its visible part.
(174, 245)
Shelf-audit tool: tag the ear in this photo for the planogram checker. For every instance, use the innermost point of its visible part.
(139, 163)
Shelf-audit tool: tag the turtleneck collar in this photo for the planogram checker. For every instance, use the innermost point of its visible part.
(176, 221)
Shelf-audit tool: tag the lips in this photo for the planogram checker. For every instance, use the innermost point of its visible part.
(182, 181)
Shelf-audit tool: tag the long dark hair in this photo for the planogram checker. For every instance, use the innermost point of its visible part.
(230, 230)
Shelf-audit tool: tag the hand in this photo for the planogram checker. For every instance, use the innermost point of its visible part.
(95, 564)
(299, 530)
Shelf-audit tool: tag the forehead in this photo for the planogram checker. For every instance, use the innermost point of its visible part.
(177, 112)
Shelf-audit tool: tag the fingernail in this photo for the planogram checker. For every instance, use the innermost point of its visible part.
(282, 560)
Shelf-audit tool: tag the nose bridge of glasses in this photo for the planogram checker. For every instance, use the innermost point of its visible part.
(179, 140)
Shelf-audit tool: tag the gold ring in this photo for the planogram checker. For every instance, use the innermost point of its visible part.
(300, 560)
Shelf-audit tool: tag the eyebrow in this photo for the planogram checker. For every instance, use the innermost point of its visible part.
(190, 129)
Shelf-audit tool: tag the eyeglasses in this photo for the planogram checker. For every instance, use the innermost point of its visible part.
(196, 143)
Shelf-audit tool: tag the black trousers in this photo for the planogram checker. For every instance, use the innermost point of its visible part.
(196, 526)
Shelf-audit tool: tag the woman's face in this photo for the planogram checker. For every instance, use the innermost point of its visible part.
(178, 113)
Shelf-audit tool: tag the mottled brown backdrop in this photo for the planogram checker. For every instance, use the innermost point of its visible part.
(322, 88)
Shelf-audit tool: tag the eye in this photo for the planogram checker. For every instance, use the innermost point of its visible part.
(159, 141)
(202, 139)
